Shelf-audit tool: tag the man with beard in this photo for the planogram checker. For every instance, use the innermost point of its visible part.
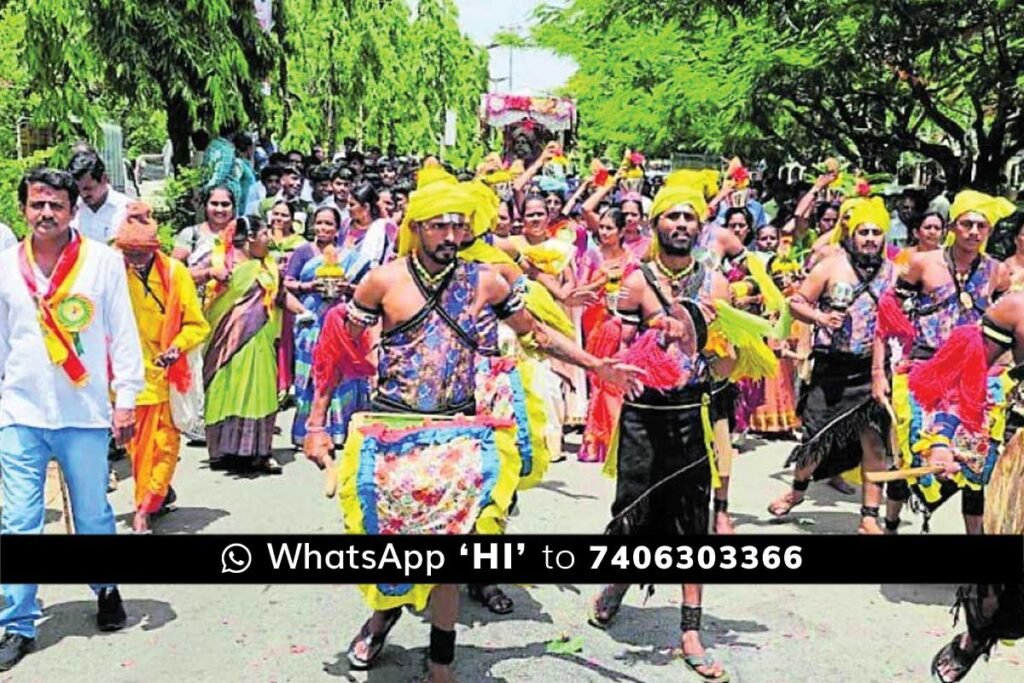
(942, 290)
(425, 294)
(843, 423)
(664, 470)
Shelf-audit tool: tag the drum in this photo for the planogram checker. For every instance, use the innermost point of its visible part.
(1004, 497)
(404, 473)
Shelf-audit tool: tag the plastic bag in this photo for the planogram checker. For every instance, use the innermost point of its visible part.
(187, 407)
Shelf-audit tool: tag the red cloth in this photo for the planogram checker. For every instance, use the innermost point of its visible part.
(337, 355)
(957, 375)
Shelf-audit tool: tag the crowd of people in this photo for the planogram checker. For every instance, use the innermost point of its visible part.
(438, 331)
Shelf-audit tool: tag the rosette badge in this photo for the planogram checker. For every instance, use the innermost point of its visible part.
(74, 313)
(330, 274)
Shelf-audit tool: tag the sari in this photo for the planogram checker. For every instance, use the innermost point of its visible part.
(356, 257)
(240, 361)
(282, 252)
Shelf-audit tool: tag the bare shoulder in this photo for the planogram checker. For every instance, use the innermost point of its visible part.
(492, 284)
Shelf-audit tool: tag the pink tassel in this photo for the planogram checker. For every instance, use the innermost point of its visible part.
(337, 356)
(892, 321)
(956, 375)
(662, 371)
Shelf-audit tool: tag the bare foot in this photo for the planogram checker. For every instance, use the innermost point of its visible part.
(869, 527)
(723, 524)
(694, 650)
(140, 524)
(781, 506)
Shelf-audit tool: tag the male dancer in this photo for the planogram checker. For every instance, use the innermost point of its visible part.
(942, 290)
(842, 420)
(427, 294)
(664, 470)
(994, 611)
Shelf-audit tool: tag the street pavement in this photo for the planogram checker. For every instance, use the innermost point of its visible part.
(275, 633)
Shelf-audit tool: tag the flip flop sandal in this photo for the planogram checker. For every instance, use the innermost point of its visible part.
(374, 641)
(605, 607)
(493, 598)
(779, 515)
(707, 661)
(963, 661)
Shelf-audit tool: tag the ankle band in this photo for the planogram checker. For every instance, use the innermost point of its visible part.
(442, 646)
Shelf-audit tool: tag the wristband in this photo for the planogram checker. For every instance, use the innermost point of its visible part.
(314, 429)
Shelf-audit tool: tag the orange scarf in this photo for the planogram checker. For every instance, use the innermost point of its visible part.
(178, 374)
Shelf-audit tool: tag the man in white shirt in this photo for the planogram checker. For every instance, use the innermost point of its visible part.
(101, 208)
(7, 237)
(64, 310)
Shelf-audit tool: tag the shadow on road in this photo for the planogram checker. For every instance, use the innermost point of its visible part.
(78, 619)
(471, 664)
(559, 487)
(180, 520)
(943, 595)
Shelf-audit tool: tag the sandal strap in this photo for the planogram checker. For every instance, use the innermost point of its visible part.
(721, 504)
(867, 511)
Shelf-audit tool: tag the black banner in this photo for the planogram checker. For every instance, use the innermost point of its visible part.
(237, 559)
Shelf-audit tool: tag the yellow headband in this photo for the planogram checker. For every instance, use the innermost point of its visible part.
(871, 211)
(434, 199)
(848, 205)
(994, 209)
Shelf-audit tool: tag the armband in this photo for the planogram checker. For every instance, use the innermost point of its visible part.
(997, 335)
(511, 305)
(362, 315)
(630, 317)
(905, 290)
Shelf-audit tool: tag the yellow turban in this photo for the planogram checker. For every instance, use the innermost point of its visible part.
(994, 209)
(871, 211)
(706, 180)
(848, 205)
(432, 172)
(674, 194)
(485, 211)
(433, 199)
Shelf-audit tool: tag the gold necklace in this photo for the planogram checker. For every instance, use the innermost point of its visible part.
(675, 277)
(431, 281)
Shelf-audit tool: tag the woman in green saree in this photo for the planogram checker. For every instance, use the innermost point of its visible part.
(244, 307)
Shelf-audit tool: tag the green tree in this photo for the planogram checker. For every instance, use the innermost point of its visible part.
(940, 78)
(201, 61)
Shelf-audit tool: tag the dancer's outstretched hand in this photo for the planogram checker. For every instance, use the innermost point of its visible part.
(621, 375)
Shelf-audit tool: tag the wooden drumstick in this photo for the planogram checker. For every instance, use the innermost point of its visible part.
(896, 475)
(330, 480)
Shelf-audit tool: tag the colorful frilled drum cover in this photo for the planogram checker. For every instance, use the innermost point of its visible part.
(406, 473)
(918, 430)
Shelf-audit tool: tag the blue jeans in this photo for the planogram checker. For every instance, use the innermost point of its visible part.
(25, 453)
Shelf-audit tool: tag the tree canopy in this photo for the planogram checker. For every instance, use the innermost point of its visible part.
(802, 78)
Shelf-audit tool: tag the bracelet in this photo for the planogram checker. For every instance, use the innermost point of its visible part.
(315, 429)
